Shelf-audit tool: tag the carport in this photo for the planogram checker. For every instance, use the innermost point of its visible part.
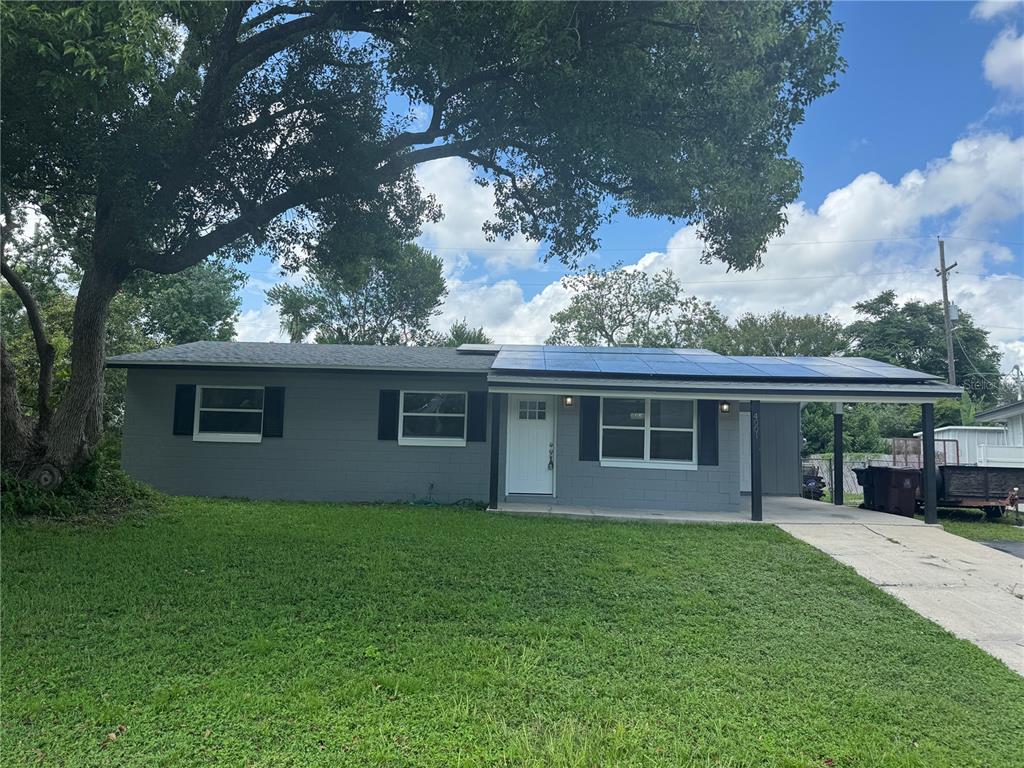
(923, 394)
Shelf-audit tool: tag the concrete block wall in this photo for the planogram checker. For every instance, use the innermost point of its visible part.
(329, 451)
(587, 483)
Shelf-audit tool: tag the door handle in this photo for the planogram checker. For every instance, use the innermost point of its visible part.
(551, 456)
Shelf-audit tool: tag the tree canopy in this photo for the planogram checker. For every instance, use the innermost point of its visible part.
(780, 333)
(389, 300)
(616, 307)
(155, 135)
(198, 304)
(461, 332)
(913, 335)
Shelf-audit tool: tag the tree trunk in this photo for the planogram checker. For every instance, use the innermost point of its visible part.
(18, 448)
(78, 420)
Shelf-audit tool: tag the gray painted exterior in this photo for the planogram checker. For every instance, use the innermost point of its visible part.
(780, 449)
(587, 483)
(330, 450)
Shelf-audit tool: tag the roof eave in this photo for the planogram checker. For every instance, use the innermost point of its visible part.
(891, 392)
(1001, 412)
(191, 365)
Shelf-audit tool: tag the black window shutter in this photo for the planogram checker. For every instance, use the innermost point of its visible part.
(707, 433)
(184, 409)
(387, 415)
(476, 413)
(590, 428)
(273, 411)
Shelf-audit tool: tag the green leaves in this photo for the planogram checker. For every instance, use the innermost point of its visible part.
(616, 307)
(913, 335)
(386, 300)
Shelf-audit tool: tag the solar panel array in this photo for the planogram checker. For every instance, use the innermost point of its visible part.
(692, 363)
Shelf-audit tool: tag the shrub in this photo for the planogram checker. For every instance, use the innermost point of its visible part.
(100, 488)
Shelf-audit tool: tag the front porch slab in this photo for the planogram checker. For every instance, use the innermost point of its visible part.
(777, 510)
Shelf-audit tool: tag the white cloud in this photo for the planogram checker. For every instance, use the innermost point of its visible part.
(990, 9)
(467, 205)
(263, 324)
(1004, 62)
(866, 236)
(502, 310)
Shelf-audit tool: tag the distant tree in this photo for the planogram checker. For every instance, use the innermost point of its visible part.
(200, 303)
(461, 333)
(1010, 388)
(913, 335)
(388, 300)
(895, 420)
(617, 307)
(861, 431)
(780, 333)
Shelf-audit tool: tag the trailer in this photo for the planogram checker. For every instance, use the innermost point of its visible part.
(900, 490)
(992, 489)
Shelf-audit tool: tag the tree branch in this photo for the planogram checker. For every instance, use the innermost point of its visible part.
(396, 166)
(517, 191)
(193, 252)
(44, 349)
(274, 12)
(440, 103)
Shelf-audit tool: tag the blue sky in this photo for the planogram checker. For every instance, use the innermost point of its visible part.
(925, 135)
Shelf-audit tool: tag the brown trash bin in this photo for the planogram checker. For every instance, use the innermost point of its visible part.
(899, 488)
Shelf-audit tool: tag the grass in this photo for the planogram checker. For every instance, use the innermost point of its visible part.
(972, 524)
(265, 634)
(969, 523)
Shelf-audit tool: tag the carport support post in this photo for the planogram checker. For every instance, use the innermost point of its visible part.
(755, 460)
(931, 512)
(837, 454)
(492, 498)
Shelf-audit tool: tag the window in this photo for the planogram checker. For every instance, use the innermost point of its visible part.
(533, 410)
(653, 433)
(432, 418)
(229, 414)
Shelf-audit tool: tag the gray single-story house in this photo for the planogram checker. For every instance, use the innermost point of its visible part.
(631, 428)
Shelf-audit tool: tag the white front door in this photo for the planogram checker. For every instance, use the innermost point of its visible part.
(531, 444)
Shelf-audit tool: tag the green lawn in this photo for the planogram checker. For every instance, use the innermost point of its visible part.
(257, 634)
(969, 523)
(972, 524)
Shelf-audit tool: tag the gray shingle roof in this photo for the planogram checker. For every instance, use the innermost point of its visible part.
(1001, 412)
(854, 375)
(265, 354)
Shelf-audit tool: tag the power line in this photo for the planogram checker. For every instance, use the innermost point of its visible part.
(672, 249)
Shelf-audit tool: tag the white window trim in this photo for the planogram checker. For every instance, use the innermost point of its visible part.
(451, 442)
(226, 437)
(647, 462)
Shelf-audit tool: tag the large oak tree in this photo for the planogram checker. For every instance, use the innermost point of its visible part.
(156, 134)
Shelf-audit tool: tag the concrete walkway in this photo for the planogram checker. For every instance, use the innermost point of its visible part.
(974, 591)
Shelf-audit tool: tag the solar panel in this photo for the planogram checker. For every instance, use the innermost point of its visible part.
(630, 365)
(690, 363)
(676, 368)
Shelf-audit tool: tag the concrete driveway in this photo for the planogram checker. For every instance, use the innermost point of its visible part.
(974, 591)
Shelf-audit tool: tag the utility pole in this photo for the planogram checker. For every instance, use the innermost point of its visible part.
(943, 271)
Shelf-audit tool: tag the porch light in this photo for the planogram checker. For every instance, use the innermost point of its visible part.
(724, 406)
(567, 401)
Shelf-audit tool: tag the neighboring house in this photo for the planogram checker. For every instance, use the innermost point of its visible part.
(970, 445)
(1009, 453)
(610, 427)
